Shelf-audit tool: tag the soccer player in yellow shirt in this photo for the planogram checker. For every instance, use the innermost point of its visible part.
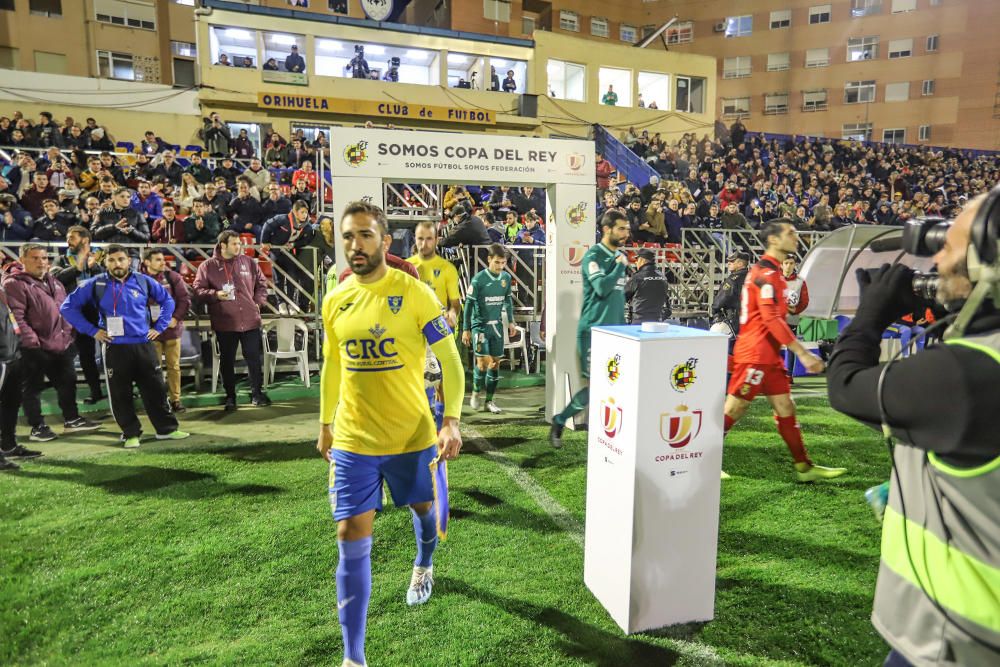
(440, 274)
(374, 421)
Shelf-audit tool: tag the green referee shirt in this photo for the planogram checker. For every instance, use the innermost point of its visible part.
(603, 288)
(489, 294)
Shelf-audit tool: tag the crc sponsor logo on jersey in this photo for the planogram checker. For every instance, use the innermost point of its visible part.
(372, 354)
(683, 375)
(611, 423)
(577, 215)
(356, 155)
(679, 428)
(614, 368)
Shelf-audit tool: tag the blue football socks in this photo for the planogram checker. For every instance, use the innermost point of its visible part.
(354, 589)
(425, 528)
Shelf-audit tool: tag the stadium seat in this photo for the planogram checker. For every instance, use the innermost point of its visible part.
(521, 343)
(536, 342)
(248, 242)
(286, 329)
(191, 356)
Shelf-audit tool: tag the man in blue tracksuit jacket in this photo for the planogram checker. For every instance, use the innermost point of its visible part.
(126, 329)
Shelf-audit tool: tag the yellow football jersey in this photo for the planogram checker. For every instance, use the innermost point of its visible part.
(440, 274)
(380, 332)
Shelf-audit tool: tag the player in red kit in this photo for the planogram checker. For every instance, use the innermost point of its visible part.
(758, 367)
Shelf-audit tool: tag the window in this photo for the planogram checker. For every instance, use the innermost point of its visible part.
(598, 26)
(817, 57)
(781, 18)
(736, 107)
(775, 103)
(50, 63)
(628, 33)
(862, 48)
(857, 131)
(621, 79)
(8, 58)
(129, 13)
(527, 25)
(340, 7)
(184, 73)
(569, 21)
(186, 3)
(655, 87)
(253, 133)
(567, 81)
(856, 92)
(932, 43)
(928, 87)
(900, 48)
(185, 49)
(111, 65)
(819, 14)
(496, 10)
(739, 26)
(777, 62)
(813, 100)
(894, 135)
(935, 3)
(897, 92)
(233, 43)
(900, 6)
(924, 134)
(50, 8)
(7, 4)
(278, 45)
(737, 67)
(680, 33)
(689, 93)
(861, 8)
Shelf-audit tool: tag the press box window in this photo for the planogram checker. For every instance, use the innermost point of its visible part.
(621, 79)
(567, 81)
(689, 94)
(235, 43)
(655, 87)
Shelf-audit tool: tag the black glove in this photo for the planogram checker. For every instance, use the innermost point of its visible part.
(886, 294)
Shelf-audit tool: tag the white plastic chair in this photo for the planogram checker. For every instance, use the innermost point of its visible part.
(520, 344)
(536, 341)
(286, 328)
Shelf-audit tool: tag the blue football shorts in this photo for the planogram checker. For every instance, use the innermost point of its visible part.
(356, 480)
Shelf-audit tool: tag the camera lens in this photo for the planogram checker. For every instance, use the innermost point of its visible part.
(924, 237)
(925, 285)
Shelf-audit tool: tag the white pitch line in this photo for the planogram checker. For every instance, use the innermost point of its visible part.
(702, 654)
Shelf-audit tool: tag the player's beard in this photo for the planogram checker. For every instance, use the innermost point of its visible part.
(372, 262)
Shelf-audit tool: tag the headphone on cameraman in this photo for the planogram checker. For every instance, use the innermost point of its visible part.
(985, 235)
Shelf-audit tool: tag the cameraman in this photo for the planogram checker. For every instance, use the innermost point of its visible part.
(934, 600)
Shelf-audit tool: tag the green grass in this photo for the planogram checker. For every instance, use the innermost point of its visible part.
(221, 551)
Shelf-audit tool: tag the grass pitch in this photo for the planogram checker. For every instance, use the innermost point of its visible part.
(220, 550)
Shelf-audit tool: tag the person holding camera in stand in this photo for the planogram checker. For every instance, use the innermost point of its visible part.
(936, 599)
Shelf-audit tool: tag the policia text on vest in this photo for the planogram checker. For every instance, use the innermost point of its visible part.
(937, 600)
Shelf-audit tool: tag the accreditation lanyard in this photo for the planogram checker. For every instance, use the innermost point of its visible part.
(116, 323)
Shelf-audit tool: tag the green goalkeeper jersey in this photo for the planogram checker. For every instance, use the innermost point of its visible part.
(489, 294)
(603, 288)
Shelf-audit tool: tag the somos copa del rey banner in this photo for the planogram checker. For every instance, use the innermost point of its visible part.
(468, 158)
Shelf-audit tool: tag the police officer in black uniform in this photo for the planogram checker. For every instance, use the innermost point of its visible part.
(647, 294)
(726, 307)
(934, 600)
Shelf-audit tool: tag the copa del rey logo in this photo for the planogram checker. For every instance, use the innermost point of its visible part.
(611, 417)
(575, 251)
(679, 428)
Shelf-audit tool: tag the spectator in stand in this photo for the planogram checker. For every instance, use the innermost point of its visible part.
(202, 227)
(170, 169)
(733, 219)
(216, 135)
(227, 171)
(244, 212)
(106, 192)
(841, 217)
(34, 296)
(611, 97)
(120, 223)
(509, 85)
(294, 62)
(655, 219)
(822, 213)
(142, 170)
(169, 229)
(40, 190)
(223, 61)
(884, 215)
(243, 148)
(234, 288)
(47, 133)
(74, 139)
(604, 171)
(90, 212)
(468, 229)
(151, 144)
(100, 140)
(53, 224)
(276, 203)
(258, 175)
(501, 198)
(737, 132)
(276, 155)
(90, 177)
(640, 232)
(15, 223)
(217, 198)
(168, 343)
(672, 221)
(147, 203)
(509, 228)
(291, 232)
(59, 173)
(111, 167)
(80, 263)
(191, 189)
(730, 194)
(306, 172)
(271, 65)
(297, 154)
(532, 233)
(529, 199)
(301, 193)
(202, 174)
